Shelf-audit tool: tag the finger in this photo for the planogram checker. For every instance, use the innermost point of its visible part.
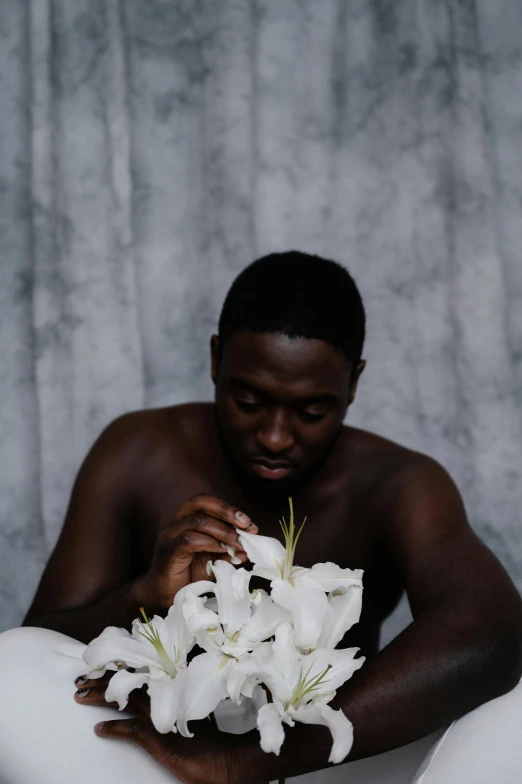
(138, 702)
(139, 731)
(193, 542)
(231, 558)
(200, 561)
(204, 524)
(83, 681)
(92, 695)
(216, 507)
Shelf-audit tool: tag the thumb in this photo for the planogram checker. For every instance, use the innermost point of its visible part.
(139, 731)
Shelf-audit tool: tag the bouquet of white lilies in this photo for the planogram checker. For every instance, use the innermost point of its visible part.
(277, 648)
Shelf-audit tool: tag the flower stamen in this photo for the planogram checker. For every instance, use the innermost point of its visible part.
(291, 539)
(150, 633)
(305, 685)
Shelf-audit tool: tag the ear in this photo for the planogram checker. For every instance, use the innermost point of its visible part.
(355, 380)
(215, 357)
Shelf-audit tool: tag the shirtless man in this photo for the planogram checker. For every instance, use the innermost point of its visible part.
(161, 491)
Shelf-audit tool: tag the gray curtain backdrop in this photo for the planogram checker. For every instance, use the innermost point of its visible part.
(150, 150)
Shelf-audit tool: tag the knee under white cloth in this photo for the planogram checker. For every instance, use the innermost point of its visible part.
(47, 738)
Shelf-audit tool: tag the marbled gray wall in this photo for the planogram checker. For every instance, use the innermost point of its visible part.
(149, 150)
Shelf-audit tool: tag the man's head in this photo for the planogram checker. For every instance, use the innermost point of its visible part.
(286, 365)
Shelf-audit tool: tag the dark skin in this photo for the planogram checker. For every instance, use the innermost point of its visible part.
(132, 538)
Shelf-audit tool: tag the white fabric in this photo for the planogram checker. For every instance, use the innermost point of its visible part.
(487, 743)
(47, 738)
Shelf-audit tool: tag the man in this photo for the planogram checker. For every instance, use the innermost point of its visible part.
(162, 491)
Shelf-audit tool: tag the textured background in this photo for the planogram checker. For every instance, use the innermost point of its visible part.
(149, 150)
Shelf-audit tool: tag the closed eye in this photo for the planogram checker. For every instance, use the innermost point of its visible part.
(247, 405)
(313, 414)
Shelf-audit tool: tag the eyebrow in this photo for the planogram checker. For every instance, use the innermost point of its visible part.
(326, 397)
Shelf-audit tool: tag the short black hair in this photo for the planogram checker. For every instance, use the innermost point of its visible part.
(299, 295)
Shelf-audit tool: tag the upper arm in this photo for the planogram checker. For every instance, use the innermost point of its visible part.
(92, 555)
(438, 555)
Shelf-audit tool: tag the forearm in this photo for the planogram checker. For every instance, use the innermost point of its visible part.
(118, 608)
(438, 669)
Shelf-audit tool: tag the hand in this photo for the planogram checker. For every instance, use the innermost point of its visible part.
(199, 531)
(210, 756)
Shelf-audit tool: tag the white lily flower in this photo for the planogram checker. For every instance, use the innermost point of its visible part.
(236, 621)
(300, 686)
(158, 650)
(227, 629)
(303, 591)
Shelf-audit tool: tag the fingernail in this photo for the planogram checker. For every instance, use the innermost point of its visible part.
(223, 545)
(81, 679)
(82, 692)
(242, 518)
(99, 727)
(253, 528)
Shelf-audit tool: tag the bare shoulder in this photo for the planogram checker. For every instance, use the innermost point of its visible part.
(157, 424)
(423, 526)
(402, 479)
(152, 434)
(390, 457)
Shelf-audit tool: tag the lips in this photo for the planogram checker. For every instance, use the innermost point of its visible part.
(271, 470)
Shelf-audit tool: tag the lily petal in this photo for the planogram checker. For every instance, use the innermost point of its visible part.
(344, 610)
(165, 695)
(265, 619)
(241, 681)
(198, 588)
(285, 655)
(258, 697)
(240, 585)
(266, 553)
(307, 603)
(232, 553)
(338, 724)
(341, 665)
(177, 640)
(122, 683)
(118, 645)
(257, 668)
(204, 688)
(211, 642)
(329, 576)
(238, 645)
(232, 594)
(197, 615)
(270, 728)
(251, 687)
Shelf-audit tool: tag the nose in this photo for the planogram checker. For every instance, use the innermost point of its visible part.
(275, 435)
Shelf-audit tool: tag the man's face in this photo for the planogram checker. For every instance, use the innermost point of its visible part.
(280, 404)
